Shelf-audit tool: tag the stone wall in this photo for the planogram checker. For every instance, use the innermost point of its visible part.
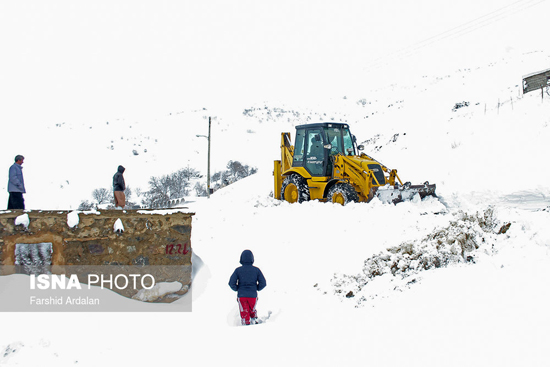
(157, 242)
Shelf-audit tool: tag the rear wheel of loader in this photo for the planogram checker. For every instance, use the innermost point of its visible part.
(342, 193)
(294, 189)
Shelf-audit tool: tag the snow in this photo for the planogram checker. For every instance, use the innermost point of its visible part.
(118, 226)
(488, 306)
(73, 219)
(22, 220)
(159, 290)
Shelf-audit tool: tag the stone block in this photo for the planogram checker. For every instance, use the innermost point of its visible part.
(150, 239)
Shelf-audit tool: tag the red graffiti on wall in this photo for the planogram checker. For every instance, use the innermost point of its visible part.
(177, 249)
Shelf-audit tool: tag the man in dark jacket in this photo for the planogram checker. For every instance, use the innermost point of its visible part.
(247, 280)
(16, 184)
(118, 187)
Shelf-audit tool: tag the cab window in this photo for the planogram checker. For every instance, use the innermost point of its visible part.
(315, 156)
(299, 146)
(334, 137)
(348, 143)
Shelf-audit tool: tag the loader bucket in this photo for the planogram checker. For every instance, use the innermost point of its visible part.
(398, 193)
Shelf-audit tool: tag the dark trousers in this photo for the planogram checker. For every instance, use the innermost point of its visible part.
(16, 201)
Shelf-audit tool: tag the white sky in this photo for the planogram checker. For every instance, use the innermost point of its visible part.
(62, 59)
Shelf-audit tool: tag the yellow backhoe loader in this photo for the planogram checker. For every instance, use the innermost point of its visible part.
(324, 164)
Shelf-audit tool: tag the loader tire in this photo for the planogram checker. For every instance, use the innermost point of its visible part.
(342, 193)
(294, 189)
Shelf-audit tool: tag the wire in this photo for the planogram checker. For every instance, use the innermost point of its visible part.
(458, 31)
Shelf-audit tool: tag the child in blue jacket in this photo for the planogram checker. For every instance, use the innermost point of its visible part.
(247, 280)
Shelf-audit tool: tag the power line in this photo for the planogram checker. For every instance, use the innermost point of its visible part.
(459, 31)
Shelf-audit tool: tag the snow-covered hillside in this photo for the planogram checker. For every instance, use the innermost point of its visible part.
(422, 283)
(491, 144)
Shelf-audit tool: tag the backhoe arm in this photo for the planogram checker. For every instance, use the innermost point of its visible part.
(287, 152)
(354, 173)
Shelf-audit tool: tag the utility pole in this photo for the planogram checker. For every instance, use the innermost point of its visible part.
(208, 172)
(208, 169)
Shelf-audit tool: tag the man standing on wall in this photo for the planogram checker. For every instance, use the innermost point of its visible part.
(118, 187)
(16, 184)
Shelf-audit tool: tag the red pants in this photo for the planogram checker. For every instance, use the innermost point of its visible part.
(247, 307)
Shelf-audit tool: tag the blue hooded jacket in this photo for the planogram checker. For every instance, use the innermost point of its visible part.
(16, 183)
(247, 280)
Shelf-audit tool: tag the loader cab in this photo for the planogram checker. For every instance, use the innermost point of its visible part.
(316, 143)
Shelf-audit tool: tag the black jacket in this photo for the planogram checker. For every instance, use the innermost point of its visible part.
(118, 180)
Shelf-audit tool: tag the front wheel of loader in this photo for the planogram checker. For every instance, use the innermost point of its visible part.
(294, 189)
(342, 193)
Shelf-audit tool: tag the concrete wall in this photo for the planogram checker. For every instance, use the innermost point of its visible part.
(154, 241)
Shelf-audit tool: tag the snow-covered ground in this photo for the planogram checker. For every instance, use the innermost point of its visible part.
(487, 159)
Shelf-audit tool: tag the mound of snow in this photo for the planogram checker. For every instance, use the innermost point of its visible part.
(158, 291)
(465, 238)
(23, 220)
(72, 219)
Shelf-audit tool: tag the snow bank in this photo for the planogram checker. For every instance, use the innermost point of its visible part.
(463, 240)
(159, 290)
